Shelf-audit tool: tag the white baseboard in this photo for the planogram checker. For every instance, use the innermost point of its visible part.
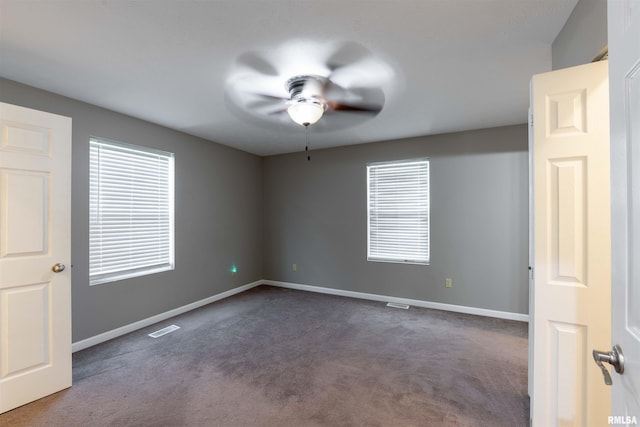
(114, 333)
(417, 303)
(97, 339)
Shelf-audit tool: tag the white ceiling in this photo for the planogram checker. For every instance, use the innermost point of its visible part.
(443, 65)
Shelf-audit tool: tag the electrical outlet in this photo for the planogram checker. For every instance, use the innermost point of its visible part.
(448, 283)
(294, 267)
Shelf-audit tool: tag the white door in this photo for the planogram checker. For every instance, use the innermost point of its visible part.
(624, 69)
(571, 261)
(35, 301)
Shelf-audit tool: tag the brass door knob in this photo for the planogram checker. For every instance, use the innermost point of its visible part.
(57, 268)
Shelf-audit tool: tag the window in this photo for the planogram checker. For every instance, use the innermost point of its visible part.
(398, 211)
(130, 212)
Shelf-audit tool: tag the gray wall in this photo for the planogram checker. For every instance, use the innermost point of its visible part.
(217, 214)
(583, 36)
(315, 216)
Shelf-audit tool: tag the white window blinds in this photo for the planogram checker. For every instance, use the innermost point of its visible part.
(131, 211)
(398, 218)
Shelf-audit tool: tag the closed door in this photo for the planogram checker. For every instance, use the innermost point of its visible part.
(624, 68)
(35, 270)
(570, 308)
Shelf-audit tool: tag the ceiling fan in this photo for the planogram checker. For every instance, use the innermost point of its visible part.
(311, 96)
(334, 85)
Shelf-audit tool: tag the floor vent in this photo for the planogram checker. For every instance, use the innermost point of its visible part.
(164, 331)
(398, 305)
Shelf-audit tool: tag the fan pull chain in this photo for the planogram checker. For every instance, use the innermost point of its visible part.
(306, 132)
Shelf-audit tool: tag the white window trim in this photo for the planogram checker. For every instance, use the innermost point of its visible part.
(111, 274)
(399, 259)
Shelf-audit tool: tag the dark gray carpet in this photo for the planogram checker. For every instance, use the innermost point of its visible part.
(278, 357)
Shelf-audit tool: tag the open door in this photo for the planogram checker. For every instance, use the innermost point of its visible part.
(624, 69)
(35, 255)
(570, 305)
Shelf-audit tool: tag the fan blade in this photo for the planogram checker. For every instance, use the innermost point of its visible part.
(348, 53)
(279, 111)
(369, 100)
(353, 65)
(263, 103)
(267, 109)
(259, 104)
(371, 109)
(266, 105)
(333, 92)
(244, 89)
(267, 97)
(257, 63)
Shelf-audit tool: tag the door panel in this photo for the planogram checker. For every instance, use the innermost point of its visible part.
(25, 200)
(567, 206)
(35, 302)
(624, 69)
(28, 307)
(571, 246)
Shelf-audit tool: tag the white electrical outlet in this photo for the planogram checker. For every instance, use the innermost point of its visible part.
(448, 283)
(294, 267)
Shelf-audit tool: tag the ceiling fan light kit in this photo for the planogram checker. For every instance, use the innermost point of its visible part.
(305, 112)
(307, 106)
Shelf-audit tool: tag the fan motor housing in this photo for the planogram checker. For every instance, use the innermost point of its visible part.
(307, 87)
